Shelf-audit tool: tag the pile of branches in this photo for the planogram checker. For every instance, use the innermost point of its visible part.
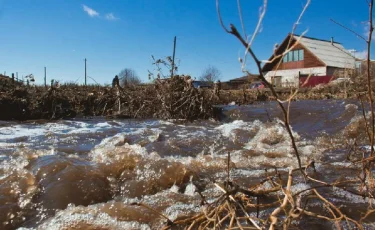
(14, 103)
(178, 99)
(166, 99)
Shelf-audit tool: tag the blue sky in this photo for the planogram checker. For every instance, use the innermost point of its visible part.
(117, 34)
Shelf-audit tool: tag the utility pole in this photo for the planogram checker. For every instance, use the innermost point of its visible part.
(174, 53)
(45, 76)
(85, 72)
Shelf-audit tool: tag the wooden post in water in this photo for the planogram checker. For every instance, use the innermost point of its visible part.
(174, 53)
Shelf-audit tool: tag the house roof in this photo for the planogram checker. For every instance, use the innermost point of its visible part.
(245, 78)
(331, 53)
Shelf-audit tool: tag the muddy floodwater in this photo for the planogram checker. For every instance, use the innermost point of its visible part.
(85, 174)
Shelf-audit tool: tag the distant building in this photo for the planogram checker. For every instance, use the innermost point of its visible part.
(202, 84)
(322, 59)
(238, 83)
(361, 66)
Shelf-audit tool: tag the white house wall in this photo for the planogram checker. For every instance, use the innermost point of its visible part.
(291, 75)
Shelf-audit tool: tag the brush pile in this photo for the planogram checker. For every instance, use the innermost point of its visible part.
(177, 99)
(166, 99)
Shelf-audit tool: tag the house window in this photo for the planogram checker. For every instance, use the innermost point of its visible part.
(285, 58)
(294, 55)
(290, 56)
(300, 55)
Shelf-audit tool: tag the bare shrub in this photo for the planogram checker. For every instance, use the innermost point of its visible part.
(210, 74)
(176, 96)
(128, 77)
(162, 66)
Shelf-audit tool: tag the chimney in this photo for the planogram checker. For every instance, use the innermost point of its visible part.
(332, 40)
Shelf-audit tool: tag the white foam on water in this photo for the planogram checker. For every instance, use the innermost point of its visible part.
(69, 219)
(155, 136)
(107, 151)
(18, 131)
(174, 188)
(179, 209)
(367, 148)
(240, 173)
(88, 128)
(5, 145)
(271, 138)
(352, 198)
(110, 142)
(271, 145)
(21, 181)
(68, 131)
(351, 106)
(190, 133)
(228, 128)
(190, 188)
(103, 125)
(35, 130)
(163, 122)
(347, 165)
(270, 141)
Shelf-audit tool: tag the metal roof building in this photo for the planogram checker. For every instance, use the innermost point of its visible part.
(298, 57)
(332, 53)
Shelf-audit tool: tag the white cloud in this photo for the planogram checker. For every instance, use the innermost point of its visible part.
(111, 17)
(366, 29)
(361, 54)
(91, 12)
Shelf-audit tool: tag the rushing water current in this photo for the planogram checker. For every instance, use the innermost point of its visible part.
(85, 174)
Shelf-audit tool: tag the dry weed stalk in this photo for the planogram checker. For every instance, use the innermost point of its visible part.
(366, 176)
(371, 29)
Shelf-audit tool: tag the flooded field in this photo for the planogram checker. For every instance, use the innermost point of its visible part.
(86, 174)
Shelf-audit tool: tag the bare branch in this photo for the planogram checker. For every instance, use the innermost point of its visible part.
(247, 45)
(241, 18)
(257, 28)
(256, 31)
(371, 29)
(219, 15)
